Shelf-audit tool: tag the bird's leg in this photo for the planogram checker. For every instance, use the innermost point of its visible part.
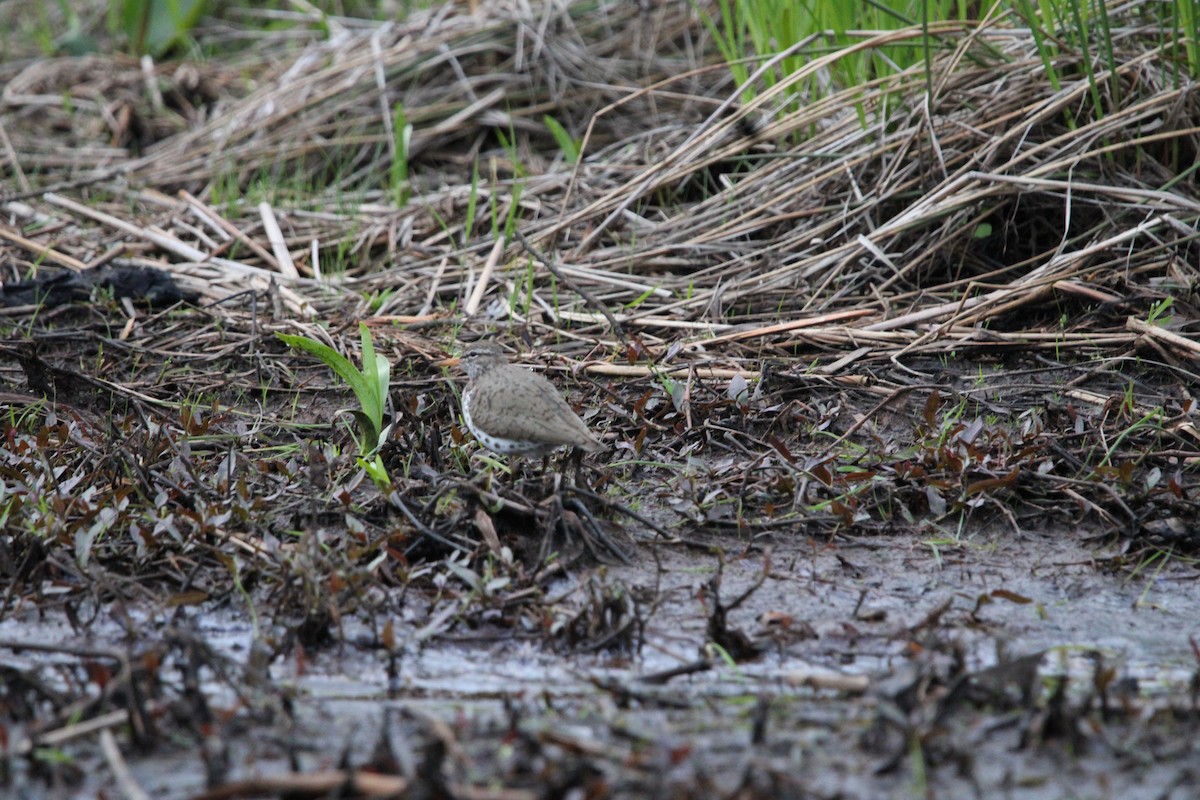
(593, 534)
(551, 520)
(577, 461)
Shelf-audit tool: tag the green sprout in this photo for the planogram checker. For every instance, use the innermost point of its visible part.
(566, 143)
(370, 387)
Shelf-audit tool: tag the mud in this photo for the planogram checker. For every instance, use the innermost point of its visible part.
(907, 615)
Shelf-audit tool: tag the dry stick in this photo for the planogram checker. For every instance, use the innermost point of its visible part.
(661, 322)
(312, 784)
(809, 322)
(381, 86)
(659, 678)
(936, 332)
(616, 327)
(402, 319)
(485, 275)
(120, 770)
(202, 231)
(1042, 339)
(279, 247)
(615, 279)
(1089, 292)
(107, 256)
(1102, 400)
(1162, 334)
(837, 681)
(487, 529)
(227, 226)
(1106, 128)
(168, 243)
(98, 177)
(28, 212)
(431, 295)
(344, 783)
(612, 504)
(64, 734)
(252, 547)
(185, 251)
(875, 409)
(12, 158)
(451, 122)
(1138, 196)
(395, 499)
(837, 366)
(151, 82)
(1102, 486)
(42, 250)
(964, 45)
(638, 371)
(597, 534)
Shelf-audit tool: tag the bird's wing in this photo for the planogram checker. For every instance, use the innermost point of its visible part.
(540, 413)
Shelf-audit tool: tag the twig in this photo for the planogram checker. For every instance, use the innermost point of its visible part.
(227, 226)
(639, 371)
(42, 250)
(120, 770)
(485, 275)
(283, 257)
(615, 506)
(613, 324)
(1189, 346)
(395, 499)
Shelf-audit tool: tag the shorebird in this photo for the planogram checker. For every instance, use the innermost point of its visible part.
(519, 413)
(513, 411)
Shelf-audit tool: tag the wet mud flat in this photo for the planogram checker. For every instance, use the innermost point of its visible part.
(1004, 666)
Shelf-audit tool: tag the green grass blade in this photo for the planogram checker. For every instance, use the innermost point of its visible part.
(364, 389)
(472, 204)
(563, 138)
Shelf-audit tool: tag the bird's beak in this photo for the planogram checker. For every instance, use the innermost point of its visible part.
(453, 361)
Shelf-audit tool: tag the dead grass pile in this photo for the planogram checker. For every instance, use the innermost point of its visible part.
(458, 77)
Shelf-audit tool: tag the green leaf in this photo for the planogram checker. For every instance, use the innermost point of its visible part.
(154, 26)
(369, 386)
(374, 467)
(472, 201)
(637, 301)
(567, 144)
(402, 131)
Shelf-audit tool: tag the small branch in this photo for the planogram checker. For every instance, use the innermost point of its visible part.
(613, 324)
(120, 770)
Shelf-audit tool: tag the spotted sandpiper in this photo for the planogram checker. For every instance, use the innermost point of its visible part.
(513, 411)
